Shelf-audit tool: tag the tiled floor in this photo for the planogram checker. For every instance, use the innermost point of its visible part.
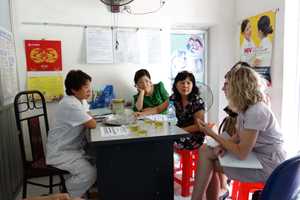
(36, 191)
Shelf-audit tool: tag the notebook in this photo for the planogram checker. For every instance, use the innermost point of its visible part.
(230, 160)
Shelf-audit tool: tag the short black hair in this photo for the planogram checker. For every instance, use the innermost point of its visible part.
(264, 25)
(140, 73)
(244, 25)
(75, 79)
(180, 77)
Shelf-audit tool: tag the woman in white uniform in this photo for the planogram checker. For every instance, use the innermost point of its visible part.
(66, 141)
(247, 47)
(257, 131)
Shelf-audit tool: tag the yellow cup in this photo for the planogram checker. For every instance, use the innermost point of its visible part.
(142, 132)
(148, 122)
(133, 127)
(158, 124)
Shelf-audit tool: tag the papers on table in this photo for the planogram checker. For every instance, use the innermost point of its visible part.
(113, 131)
(230, 160)
(157, 117)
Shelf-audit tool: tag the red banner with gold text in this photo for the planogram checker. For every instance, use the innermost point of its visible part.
(43, 55)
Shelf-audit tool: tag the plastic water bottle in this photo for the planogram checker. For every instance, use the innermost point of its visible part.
(172, 120)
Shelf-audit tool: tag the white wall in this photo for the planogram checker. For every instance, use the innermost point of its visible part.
(221, 55)
(217, 15)
(244, 9)
(5, 15)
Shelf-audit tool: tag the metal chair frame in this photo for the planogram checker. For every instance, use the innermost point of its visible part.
(33, 102)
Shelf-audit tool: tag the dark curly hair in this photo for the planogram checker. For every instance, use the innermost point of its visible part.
(180, 77)
(75, 80)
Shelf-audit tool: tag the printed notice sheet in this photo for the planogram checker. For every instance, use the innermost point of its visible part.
(126, 46)
(151, 45)
(8, 72)
(99, 48)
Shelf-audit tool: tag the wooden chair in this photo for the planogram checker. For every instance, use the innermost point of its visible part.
(32, 122)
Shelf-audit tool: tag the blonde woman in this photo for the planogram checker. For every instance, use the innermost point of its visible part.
(257, 131)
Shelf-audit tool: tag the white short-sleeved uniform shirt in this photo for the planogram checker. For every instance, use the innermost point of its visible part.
(264, 52)
(247, 51)
(66, 140)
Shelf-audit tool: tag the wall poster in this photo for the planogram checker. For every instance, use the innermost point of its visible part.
(188, 53)
(256, 42)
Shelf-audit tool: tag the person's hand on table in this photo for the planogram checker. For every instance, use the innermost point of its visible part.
(138, 114)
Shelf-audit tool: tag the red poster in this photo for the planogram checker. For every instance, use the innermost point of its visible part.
(43, 55)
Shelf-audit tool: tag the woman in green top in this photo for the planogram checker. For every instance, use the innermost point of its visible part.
(151, 98)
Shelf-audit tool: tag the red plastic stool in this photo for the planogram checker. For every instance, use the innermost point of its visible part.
(187, 167)
(241, 190)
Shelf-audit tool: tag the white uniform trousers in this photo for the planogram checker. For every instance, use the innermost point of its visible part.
(82, 176)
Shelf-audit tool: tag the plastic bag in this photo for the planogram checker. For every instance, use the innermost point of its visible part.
(104, 98)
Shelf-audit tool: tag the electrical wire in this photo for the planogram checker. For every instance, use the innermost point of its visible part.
(129, 11)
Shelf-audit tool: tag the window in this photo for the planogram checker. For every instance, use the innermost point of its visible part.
(291, 77)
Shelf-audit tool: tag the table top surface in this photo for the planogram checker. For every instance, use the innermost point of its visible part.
(142, 129)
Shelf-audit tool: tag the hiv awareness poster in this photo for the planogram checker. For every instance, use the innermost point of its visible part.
(187, 53)
(256, 42)
(43, 55)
